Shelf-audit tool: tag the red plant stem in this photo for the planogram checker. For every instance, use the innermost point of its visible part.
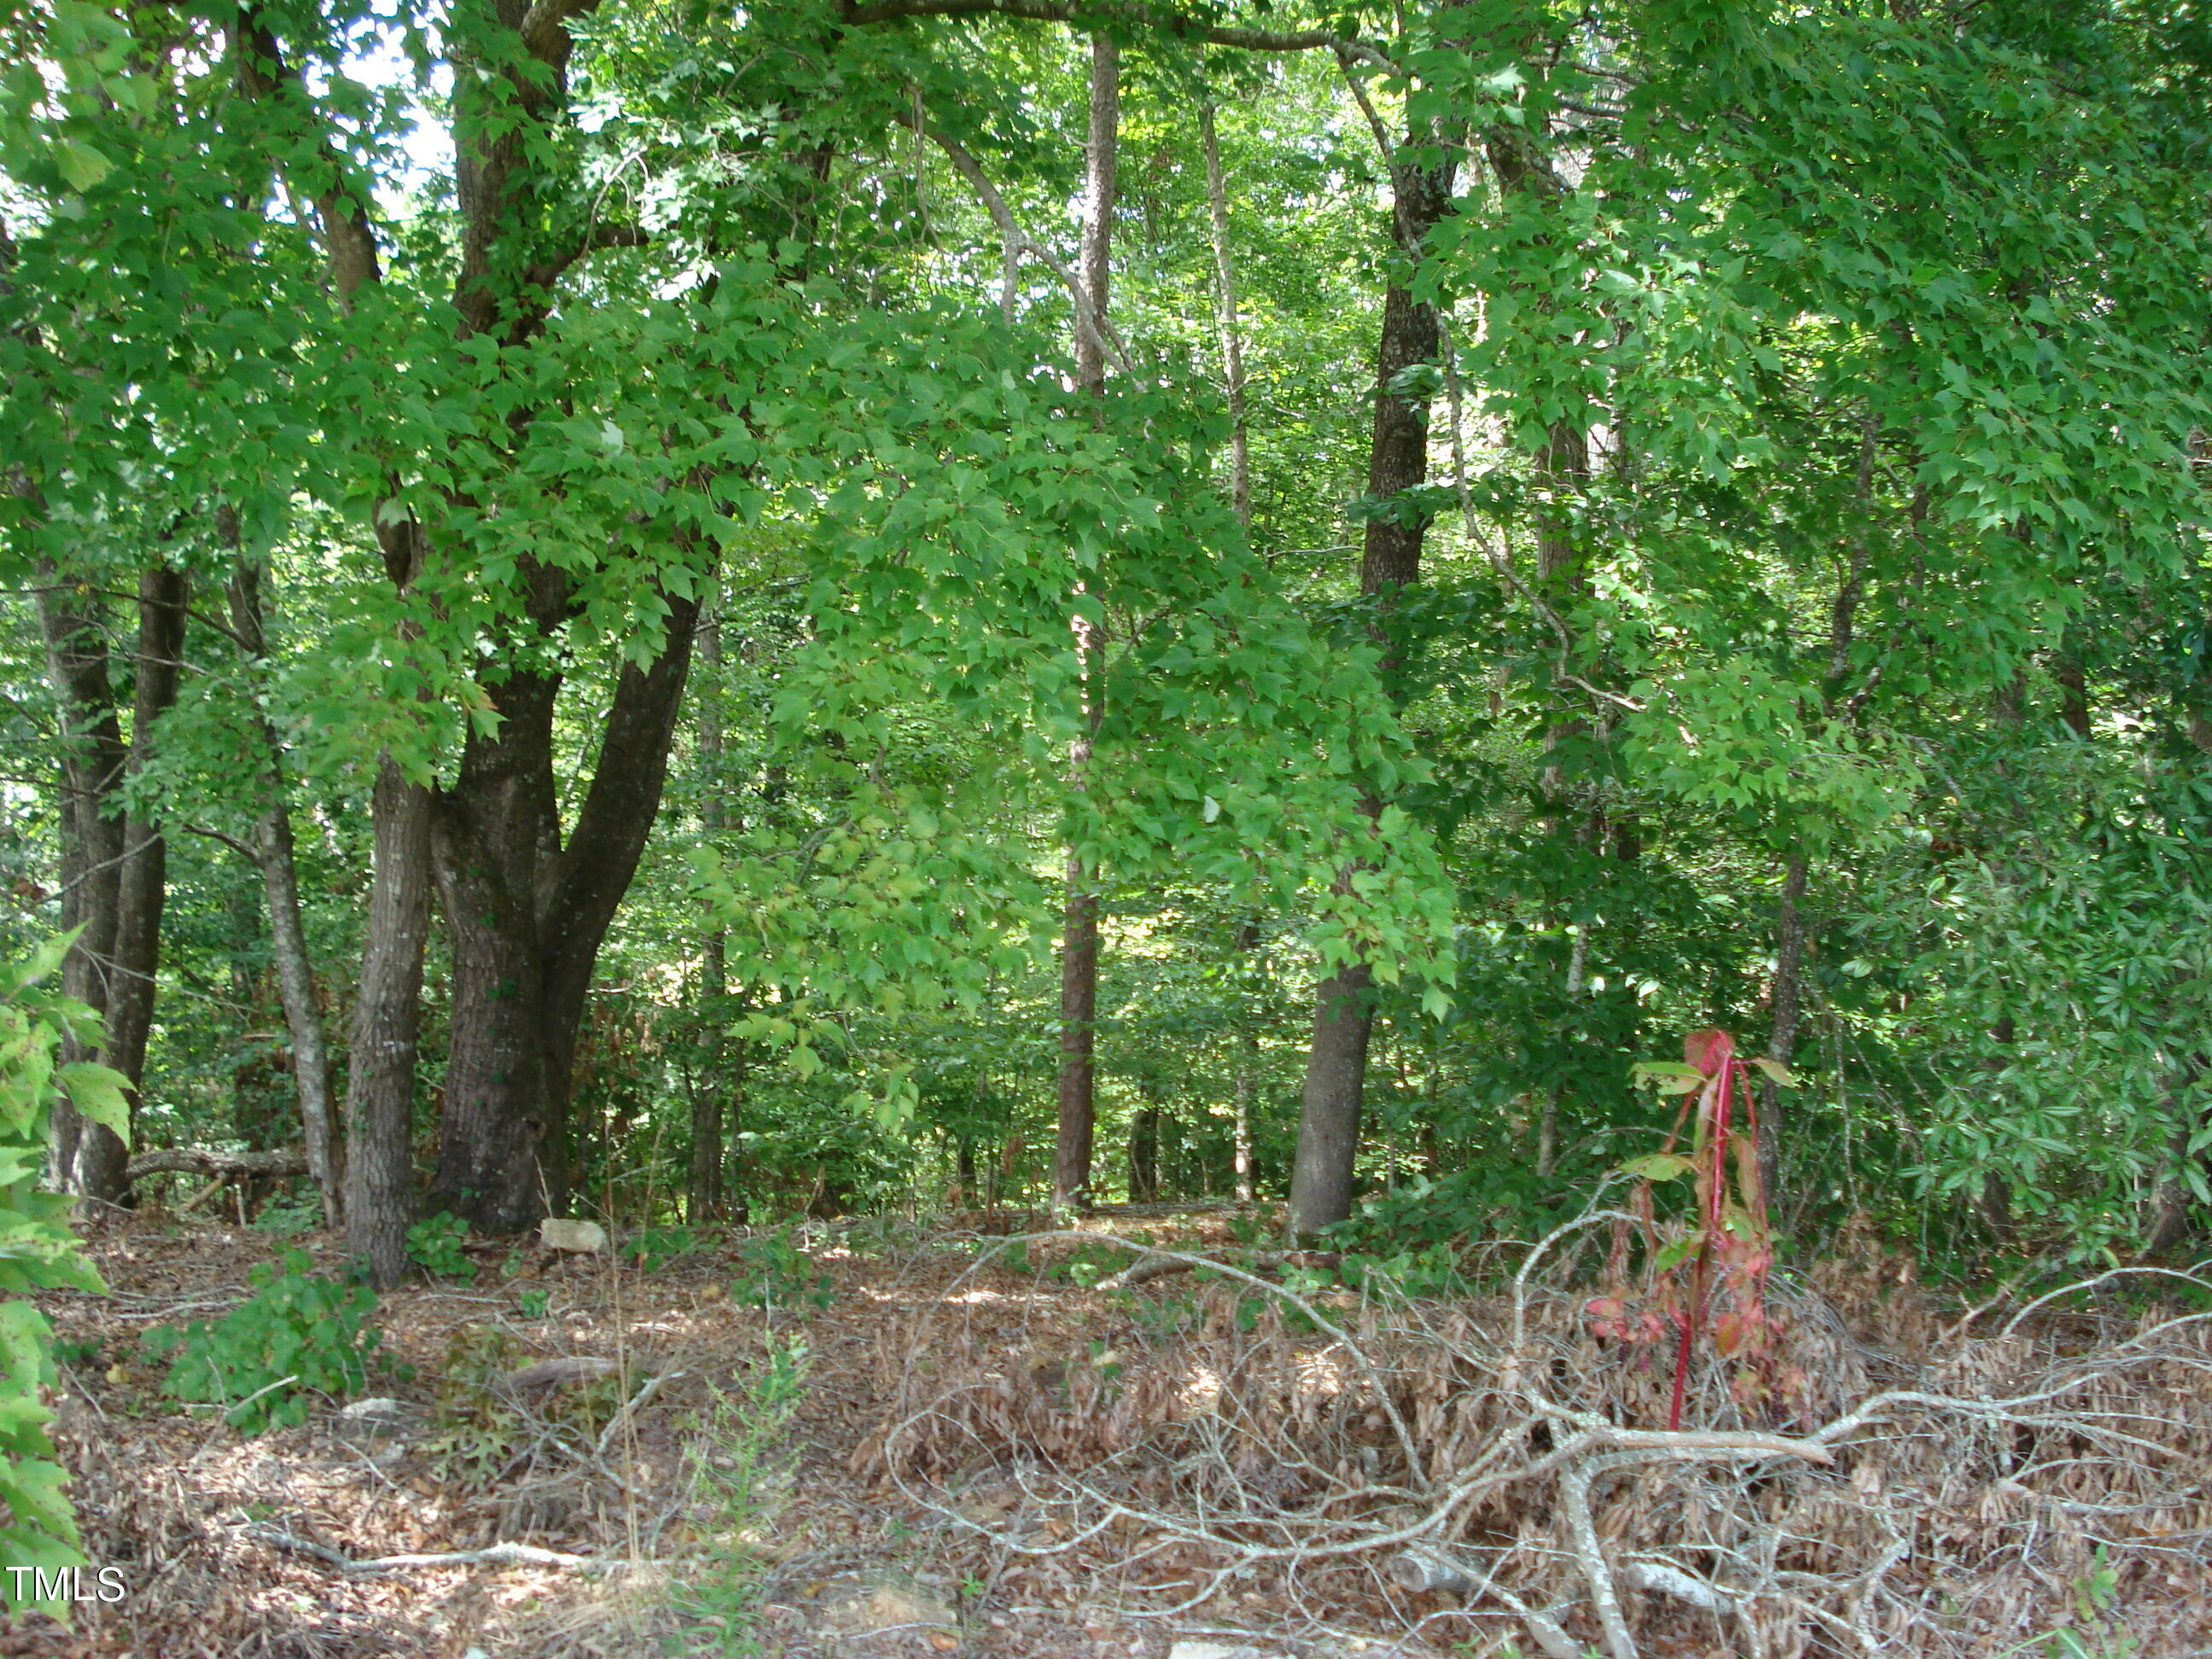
(1717, 1147)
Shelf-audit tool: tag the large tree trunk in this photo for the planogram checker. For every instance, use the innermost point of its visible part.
(1077, 1093)
(93, 758)
(386, 1026)
(1322, 1178)
(117, 863)
(526, 916)
(274, 854)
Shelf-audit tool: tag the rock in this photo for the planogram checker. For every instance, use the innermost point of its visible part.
(1188, 1649)
(587, 1237)
(377, 1418)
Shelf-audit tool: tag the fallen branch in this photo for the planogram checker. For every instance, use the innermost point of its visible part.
(1154, 1265)
(495, 1555)
(206, 1161)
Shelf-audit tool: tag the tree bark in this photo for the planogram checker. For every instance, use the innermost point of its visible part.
(119, 865)
(387, 1014)
(1077, 1092)
(1322, 1178)
(274, 854)
(526, 916)
(93, 758)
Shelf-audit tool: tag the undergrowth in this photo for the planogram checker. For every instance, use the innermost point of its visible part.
(301, 1334)
(739, 1483)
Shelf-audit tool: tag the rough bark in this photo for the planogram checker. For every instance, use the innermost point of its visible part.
(1077, 1103)
(386, 1028)
(207, 1161)
(117, 866)
(527, 913)
(280, 882)
(93, 758)
(1322, 1178)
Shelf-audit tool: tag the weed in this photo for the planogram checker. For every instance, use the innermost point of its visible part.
(533, 1304)
(1727, 1244)
(75, 1354)
(289, 1220)
(433, 1244)
(740, 1481)
(1087, 1264)
(299, 1334)
(476, 1434)
(771, 1271)
(654, 1248)
(2096, 1593)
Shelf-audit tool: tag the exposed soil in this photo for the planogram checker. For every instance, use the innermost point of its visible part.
(994, 1462)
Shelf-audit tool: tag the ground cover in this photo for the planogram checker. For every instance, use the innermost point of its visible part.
(886, 1438)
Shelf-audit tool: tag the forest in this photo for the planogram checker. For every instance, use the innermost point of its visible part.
(1335, 694)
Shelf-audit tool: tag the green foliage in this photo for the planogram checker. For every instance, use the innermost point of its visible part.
(2094, 1634)
(289, 1220)
(37, 1250)
(771, 1271)
(433, 1244)
(298, 1335)
(654, 1248)
(474, 1429)
(740, 1476)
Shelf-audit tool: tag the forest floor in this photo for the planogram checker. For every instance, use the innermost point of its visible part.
(989, 1458)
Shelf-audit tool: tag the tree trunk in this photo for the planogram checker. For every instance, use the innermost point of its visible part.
(1324, 1176)
(1224, 302)
(93, 758)
(387, 1014)
(1077, 1101)
(119, 858)
(288, 934)
(1322, 1181)
(526, 916)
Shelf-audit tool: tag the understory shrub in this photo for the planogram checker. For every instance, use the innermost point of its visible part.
(299, 1335)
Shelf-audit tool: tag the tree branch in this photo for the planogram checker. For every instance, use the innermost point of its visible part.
(1174, 23)
(968, 168)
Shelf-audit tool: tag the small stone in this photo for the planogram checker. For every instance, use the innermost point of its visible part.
(587, 1236)
(1188, 1649)
(376, 1417)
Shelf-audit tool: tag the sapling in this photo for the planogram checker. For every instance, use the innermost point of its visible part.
(1729, 1245)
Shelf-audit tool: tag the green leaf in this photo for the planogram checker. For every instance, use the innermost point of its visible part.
(82, 165)
(1658, 1166)
(100, 1092)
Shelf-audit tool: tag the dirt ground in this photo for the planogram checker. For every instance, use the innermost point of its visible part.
(874, 1530)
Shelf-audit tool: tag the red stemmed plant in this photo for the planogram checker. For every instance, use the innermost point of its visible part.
(1731, 1238)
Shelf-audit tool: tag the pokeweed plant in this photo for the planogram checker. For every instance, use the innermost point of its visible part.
(1725, 1246)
